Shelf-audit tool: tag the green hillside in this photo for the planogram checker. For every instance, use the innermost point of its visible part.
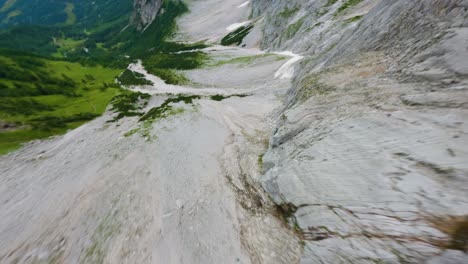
(81, 13)
(41, 97)
(58, 73)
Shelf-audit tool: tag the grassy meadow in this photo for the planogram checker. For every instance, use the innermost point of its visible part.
(41, 97)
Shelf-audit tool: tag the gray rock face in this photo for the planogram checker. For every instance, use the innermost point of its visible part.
(408, 30)
(144, 12)
(369, 146)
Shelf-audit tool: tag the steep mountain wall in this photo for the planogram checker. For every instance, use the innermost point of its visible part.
(144, 12)
(329, 31)
(367, 148)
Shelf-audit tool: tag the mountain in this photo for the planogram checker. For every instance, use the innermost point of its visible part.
(82, 14)
(73, 25)
(262, 131)
(144, 12)
(367, 146)
(105, 48)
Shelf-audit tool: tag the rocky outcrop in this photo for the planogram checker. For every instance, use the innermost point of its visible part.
(414, 32)
(368, 145)
(144, 12)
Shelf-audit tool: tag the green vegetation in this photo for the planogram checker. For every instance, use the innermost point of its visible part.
(162, 111)
(260, 162)
(294, 28)
(129, 104)
(150, 42)
(331, 2)
(220, 97)
(312, 86)
(29, 76)
(287, 12)
(71, 17)
(170, 76)
(165, 108)
(178, 61)
(66, 45)
(164, 58)
(96, 26)
(165, 64)
(49, 123)
(35, 39)
(353, 19)
(7, 5)
(236, 36)
(15, 106)
(58, 71)
(80, 31)
(129, 77)
(153, 39)
(63, 12)
(285, 212)
(11, 15)
(346, 5)
(94, 39)
(11, 140)
(44, 97)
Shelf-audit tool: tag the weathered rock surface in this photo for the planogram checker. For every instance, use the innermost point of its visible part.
(370, 145)
(209, 20)
(144, 12)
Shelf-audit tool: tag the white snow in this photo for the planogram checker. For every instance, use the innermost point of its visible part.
(287, 70)
(237, 25)
(246, 3)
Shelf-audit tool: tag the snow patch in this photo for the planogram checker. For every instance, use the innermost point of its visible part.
(244, 4)
(287, 70)
(237, 25)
